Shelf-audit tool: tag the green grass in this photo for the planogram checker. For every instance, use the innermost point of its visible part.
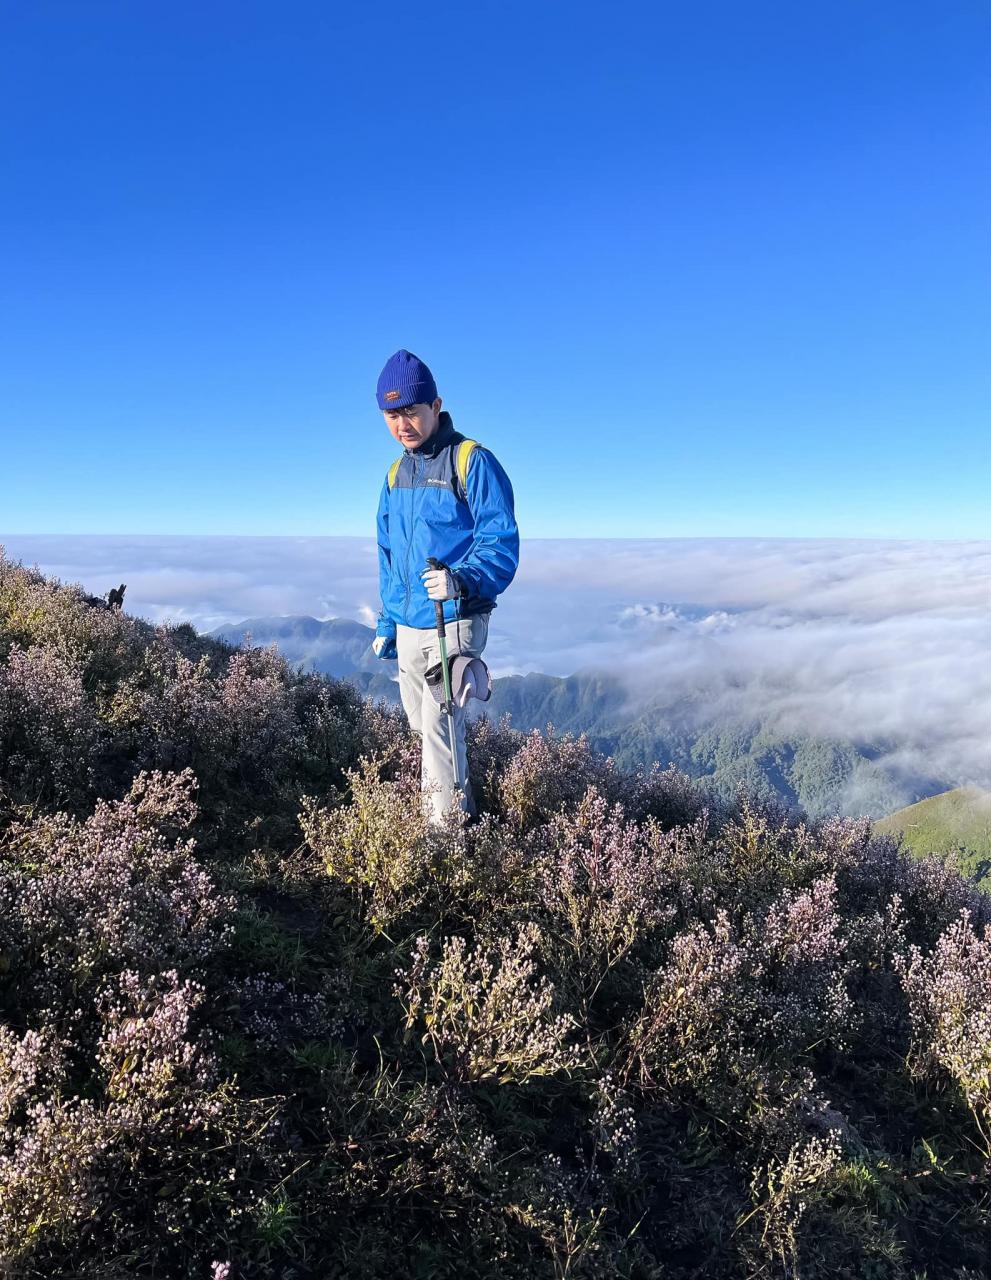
(957, 822)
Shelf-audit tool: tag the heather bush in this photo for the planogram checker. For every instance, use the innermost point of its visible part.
(80, 901)
(145, 1050)
(614, 1127)
(32, 1065)
(527, 778)
(40, 612)
(274, 1015)
(115, 1119)
(487, 1014)
(377, 843)
(51, 741)
(331, 717)
(237, 729)
(373, 840)
(873, 871)
(735, 1014)
(384, 735)
(763, 847)
(604, 887)
(491, 748)
(785, 1189)
(670, 796)
(949, 997)
(135, 1157)
(89, 696)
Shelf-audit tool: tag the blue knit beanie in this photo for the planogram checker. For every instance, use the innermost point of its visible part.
(405, 380)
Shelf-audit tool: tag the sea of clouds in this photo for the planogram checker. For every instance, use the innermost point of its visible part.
(863, 640)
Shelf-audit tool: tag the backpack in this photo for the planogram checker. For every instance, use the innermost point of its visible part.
(464, 453)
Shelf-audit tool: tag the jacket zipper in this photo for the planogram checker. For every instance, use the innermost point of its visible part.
(409, 543)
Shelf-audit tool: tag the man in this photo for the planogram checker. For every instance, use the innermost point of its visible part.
(454, 505)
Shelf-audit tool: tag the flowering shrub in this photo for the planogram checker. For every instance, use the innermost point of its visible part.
(614, 1125)
(529, 777)
(801, 951)
(331, 718)
(112, 1104)
(50, 738)
(89, 696)
(144, 1050)
(732, 1013)
(488, 1015)
(273, 1014)
(237, 730)
(949, 996)
(786, 1188)
(133, 1156)
(31, 1066)
(82, 900)
(384, 735)
(491, 747)
(698, 1009)
(39, 612)
(377, 843)
(603, 886)
(670, 796)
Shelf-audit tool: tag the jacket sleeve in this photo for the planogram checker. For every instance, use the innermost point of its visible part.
(492, 559)
(384, 626)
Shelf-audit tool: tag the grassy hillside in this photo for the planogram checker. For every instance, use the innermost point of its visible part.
(257, 1022)
(956, 822)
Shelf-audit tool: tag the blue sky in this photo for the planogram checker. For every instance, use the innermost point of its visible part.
(707, 270)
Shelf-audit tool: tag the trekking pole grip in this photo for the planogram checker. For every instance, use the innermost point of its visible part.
(434, 563)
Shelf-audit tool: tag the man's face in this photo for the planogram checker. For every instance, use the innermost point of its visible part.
(413, 425)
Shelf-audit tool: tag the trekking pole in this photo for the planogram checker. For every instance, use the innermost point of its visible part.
(434, 563)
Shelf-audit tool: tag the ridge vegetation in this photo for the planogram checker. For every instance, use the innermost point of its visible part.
(257, 1021)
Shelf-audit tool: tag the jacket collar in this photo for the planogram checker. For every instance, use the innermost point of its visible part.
(440, 439)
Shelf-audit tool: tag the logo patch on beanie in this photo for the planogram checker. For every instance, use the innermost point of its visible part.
(391, 395)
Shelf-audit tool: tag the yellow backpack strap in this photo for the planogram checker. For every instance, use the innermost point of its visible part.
(393, 470)
(464, 453)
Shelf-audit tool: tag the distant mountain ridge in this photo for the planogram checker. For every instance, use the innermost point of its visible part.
(336, 646)
(820, 775)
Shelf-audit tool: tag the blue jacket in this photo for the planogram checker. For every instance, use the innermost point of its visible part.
(425, 514)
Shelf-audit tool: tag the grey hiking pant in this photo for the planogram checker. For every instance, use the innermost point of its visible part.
(417, 649)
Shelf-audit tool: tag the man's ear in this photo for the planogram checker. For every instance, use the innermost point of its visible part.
(437, 404)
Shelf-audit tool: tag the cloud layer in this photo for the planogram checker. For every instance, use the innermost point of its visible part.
(880, 642)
